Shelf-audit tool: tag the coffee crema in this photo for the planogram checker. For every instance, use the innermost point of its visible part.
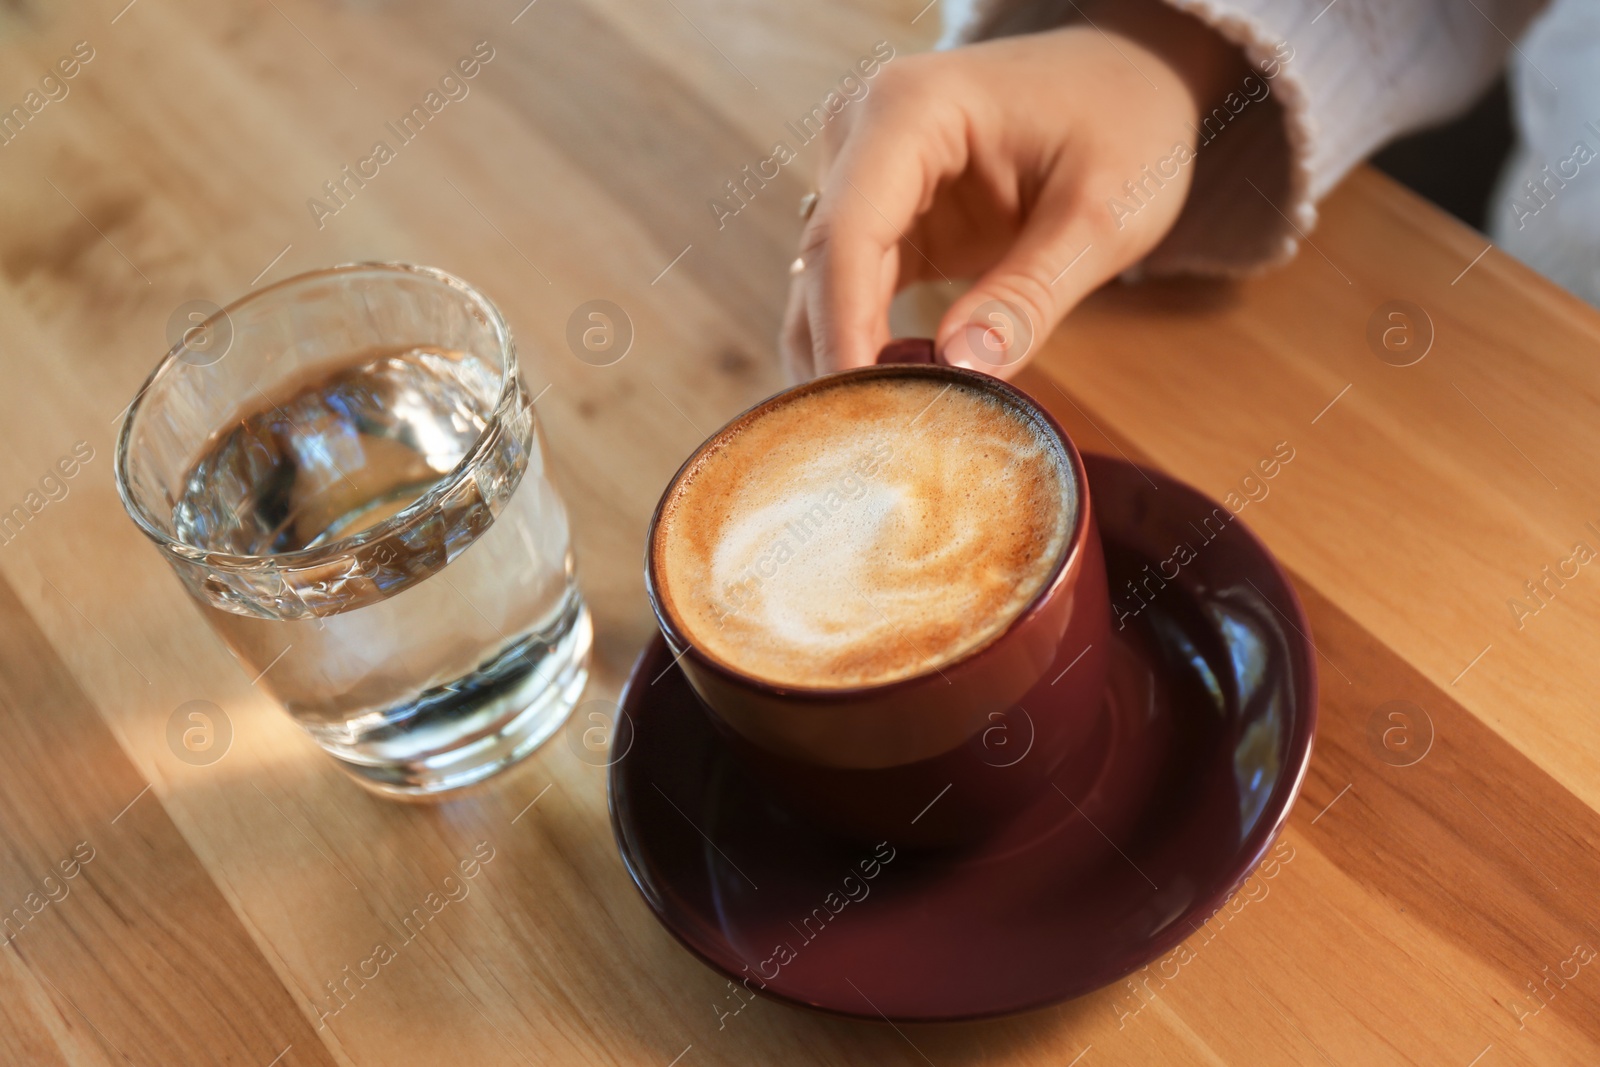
(862, 531)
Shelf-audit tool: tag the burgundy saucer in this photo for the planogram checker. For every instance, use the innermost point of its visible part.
(1210, 709)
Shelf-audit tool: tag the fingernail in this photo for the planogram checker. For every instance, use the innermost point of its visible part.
(976, 348)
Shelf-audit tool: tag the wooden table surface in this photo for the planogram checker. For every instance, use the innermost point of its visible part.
(1434, 910)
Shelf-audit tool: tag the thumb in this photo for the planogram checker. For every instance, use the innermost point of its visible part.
(995, 326)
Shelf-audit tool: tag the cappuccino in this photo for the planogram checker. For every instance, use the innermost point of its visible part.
(864, 530)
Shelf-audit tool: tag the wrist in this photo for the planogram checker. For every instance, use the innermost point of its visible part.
(1208, 64)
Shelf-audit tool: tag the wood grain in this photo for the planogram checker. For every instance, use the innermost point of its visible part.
(1425, 907)
(122, 945)
(1422, 495)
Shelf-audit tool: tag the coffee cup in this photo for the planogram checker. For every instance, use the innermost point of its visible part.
(888, 591)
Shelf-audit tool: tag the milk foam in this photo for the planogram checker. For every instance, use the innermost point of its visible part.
(863, 532)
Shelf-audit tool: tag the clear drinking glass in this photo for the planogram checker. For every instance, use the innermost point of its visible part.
(346, 472)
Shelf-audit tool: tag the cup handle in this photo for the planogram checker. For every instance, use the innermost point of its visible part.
(909, 350)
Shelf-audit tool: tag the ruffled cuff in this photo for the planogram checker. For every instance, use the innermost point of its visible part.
(1331, 83)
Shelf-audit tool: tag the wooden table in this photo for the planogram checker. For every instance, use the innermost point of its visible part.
(1442, 911)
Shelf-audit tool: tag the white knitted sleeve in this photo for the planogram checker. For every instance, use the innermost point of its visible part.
(1340, 78)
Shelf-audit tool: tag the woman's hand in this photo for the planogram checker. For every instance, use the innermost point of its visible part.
(996, 161)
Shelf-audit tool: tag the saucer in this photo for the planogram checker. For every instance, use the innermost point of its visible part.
(1209, 711)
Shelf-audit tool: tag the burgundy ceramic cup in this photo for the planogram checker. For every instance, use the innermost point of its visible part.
(939, 758)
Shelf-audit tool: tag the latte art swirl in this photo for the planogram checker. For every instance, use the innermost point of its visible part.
(864, 531)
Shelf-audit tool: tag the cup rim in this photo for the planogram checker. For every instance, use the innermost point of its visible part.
(1065, 564)
(302, 557)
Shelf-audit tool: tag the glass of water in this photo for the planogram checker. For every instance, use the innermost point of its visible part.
(346, 471)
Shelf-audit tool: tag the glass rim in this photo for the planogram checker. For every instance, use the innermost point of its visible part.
(303, 557)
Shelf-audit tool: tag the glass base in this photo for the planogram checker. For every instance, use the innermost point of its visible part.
(422, 750)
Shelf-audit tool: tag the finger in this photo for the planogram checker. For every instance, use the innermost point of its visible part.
(795, 338)
(996, 325)
(883, 178)
(849, 284)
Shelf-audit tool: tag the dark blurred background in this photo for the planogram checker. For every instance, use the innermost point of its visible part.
(1456, 165)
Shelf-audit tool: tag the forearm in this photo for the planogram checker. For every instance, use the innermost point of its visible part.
(1209, 65)
(1340, 79)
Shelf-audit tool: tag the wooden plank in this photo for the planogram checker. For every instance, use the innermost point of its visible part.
(1419, 499)
(1416, 910)
(121, 945)
(1436, 912)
